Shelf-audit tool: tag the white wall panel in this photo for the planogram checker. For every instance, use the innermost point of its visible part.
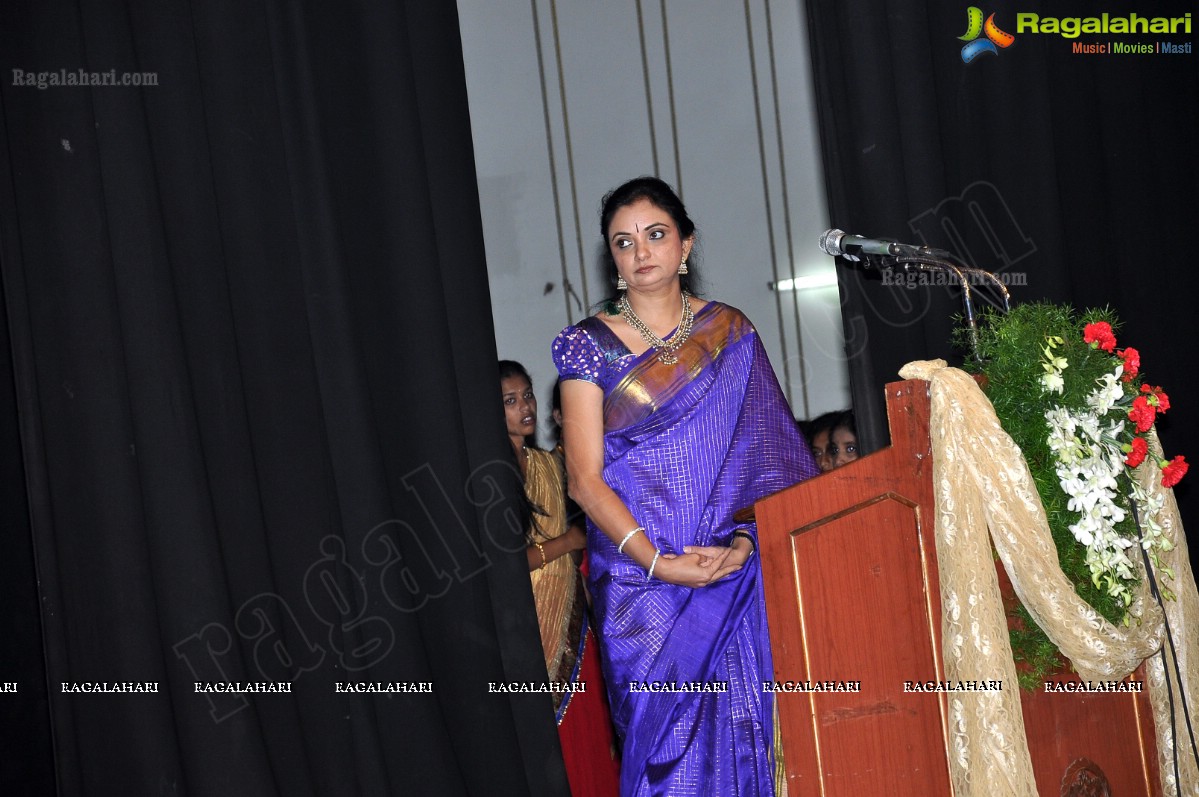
(569, 98)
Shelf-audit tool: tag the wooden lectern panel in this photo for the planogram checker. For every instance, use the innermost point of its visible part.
(851, 592)
(868, 739)
(850, 569)
(1071, 735)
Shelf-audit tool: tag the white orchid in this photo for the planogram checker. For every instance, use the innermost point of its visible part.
(1110, 391)
(1089, 461)
(1052, 379)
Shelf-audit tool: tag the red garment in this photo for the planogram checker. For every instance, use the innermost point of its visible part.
(588, 748)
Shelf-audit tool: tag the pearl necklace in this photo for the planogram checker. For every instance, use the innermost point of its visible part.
(666, 349)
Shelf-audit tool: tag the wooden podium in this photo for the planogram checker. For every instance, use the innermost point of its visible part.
(850, 567)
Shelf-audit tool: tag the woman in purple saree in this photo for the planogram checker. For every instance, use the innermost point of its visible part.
(665, 442)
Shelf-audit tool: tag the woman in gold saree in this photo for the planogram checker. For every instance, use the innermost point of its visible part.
(568, 644)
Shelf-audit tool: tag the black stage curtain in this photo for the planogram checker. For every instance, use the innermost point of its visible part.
(254, 376)
(1074, 173)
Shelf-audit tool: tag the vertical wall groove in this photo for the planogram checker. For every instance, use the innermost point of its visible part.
(674, 118)
(774, 262)
(549, 150)
(570, 161)
(649, 94)
(778, 132)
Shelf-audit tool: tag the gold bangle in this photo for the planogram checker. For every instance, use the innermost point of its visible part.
(541, 550)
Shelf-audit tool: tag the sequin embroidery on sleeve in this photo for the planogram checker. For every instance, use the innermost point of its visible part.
(577, 355)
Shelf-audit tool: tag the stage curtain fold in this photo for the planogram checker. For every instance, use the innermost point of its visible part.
(254, 376)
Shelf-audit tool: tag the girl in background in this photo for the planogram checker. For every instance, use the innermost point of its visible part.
(584, 723)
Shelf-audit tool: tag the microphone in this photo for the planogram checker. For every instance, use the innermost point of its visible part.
(841, 244)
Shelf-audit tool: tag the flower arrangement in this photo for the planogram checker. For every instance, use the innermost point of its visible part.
(1079, 410)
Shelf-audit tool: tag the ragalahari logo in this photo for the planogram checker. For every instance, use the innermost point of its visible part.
(995, 38)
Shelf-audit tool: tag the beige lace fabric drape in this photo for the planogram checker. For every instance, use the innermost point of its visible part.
(981, 483)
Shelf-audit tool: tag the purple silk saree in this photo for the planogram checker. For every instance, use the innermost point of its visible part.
(686, 446)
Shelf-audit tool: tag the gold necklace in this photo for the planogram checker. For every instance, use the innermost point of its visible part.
(666, 349)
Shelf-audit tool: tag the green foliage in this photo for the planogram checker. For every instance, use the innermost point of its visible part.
(1031, 648)
(1011, 348)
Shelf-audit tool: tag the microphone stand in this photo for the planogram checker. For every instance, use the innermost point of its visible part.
(933, 260)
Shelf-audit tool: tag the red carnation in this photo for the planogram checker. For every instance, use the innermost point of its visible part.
(1132, 363)
(1157, 397)
(1099, 335)
(1142, 414)
(1136, 452)
(1174, 470)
